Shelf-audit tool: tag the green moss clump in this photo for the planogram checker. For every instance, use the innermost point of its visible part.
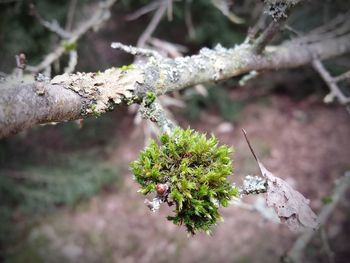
(94, 111)
(149, 98)
(69, 46)
(126, 67)
(196, 169)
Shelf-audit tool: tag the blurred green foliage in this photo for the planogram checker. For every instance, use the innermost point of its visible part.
(33, 189)
(46, 168)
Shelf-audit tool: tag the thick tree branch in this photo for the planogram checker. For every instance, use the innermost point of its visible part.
(21, 106)
(86, 94)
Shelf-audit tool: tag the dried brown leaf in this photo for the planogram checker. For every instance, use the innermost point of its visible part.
(291, 206)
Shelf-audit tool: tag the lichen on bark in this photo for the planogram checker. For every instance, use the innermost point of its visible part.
(102, 91)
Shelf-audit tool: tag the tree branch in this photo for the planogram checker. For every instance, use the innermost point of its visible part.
(86, 94)
(335, 91)
(100, 15)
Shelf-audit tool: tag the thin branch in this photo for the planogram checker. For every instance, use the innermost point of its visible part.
(70, 16)
(168, 49)
(99, 16)
(266, 36)
(296, 252)
(73, 61)
(188, 19)
(143, 10)
(96, 93)
(224, 8)
(259, 207)
(136, 51)
(145, 36)
(258, 27)
(335, 91)
(338, 31)
(331, 83)
(52, 26)
(326, 245)
(170, 10)
(278, 10)
(342, 77)
(331, 25)
(157, 114)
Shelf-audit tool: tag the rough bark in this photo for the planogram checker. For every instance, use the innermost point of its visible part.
(75, 96)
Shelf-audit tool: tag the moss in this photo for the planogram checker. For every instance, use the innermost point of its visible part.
(94, 111)
(126, 67)
(196, 170)
(149, 98)
(69, 46)
(326, 200)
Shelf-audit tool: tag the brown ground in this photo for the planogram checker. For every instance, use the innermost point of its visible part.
(306, 143)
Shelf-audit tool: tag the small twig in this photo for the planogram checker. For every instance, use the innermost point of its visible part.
(266, 36)
(100, 15)
(259, 207)
(295, 254)
(334, 23)
(188, 19)
(135, 50)
(73, 61)
(21, 61)
(143, 10)
(70, 15)
(169, 49)
(170, 10)
(258, 27)
(342, 77)
(326, 245)
(251, 75)
(52, 26)
(155, 112)
(250, 146)
(278, 10)
(20, 65)
(339, 31)
(145, 36)
(223, 7)
(335, 91)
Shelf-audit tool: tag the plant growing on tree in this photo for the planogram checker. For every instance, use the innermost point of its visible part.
(189, 171)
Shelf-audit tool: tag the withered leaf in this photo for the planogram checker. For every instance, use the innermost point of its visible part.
(291, 206)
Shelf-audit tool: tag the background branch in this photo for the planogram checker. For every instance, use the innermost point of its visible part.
(99, 16)
(296, 252)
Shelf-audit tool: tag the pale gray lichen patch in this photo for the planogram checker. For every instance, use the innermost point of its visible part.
(102, 91)
(155, 113)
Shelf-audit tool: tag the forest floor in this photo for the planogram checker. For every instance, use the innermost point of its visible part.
(306, 143)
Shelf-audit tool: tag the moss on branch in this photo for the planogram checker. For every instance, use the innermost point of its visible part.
(195, 169)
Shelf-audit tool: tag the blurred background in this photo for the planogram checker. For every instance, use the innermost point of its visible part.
(66, 192)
